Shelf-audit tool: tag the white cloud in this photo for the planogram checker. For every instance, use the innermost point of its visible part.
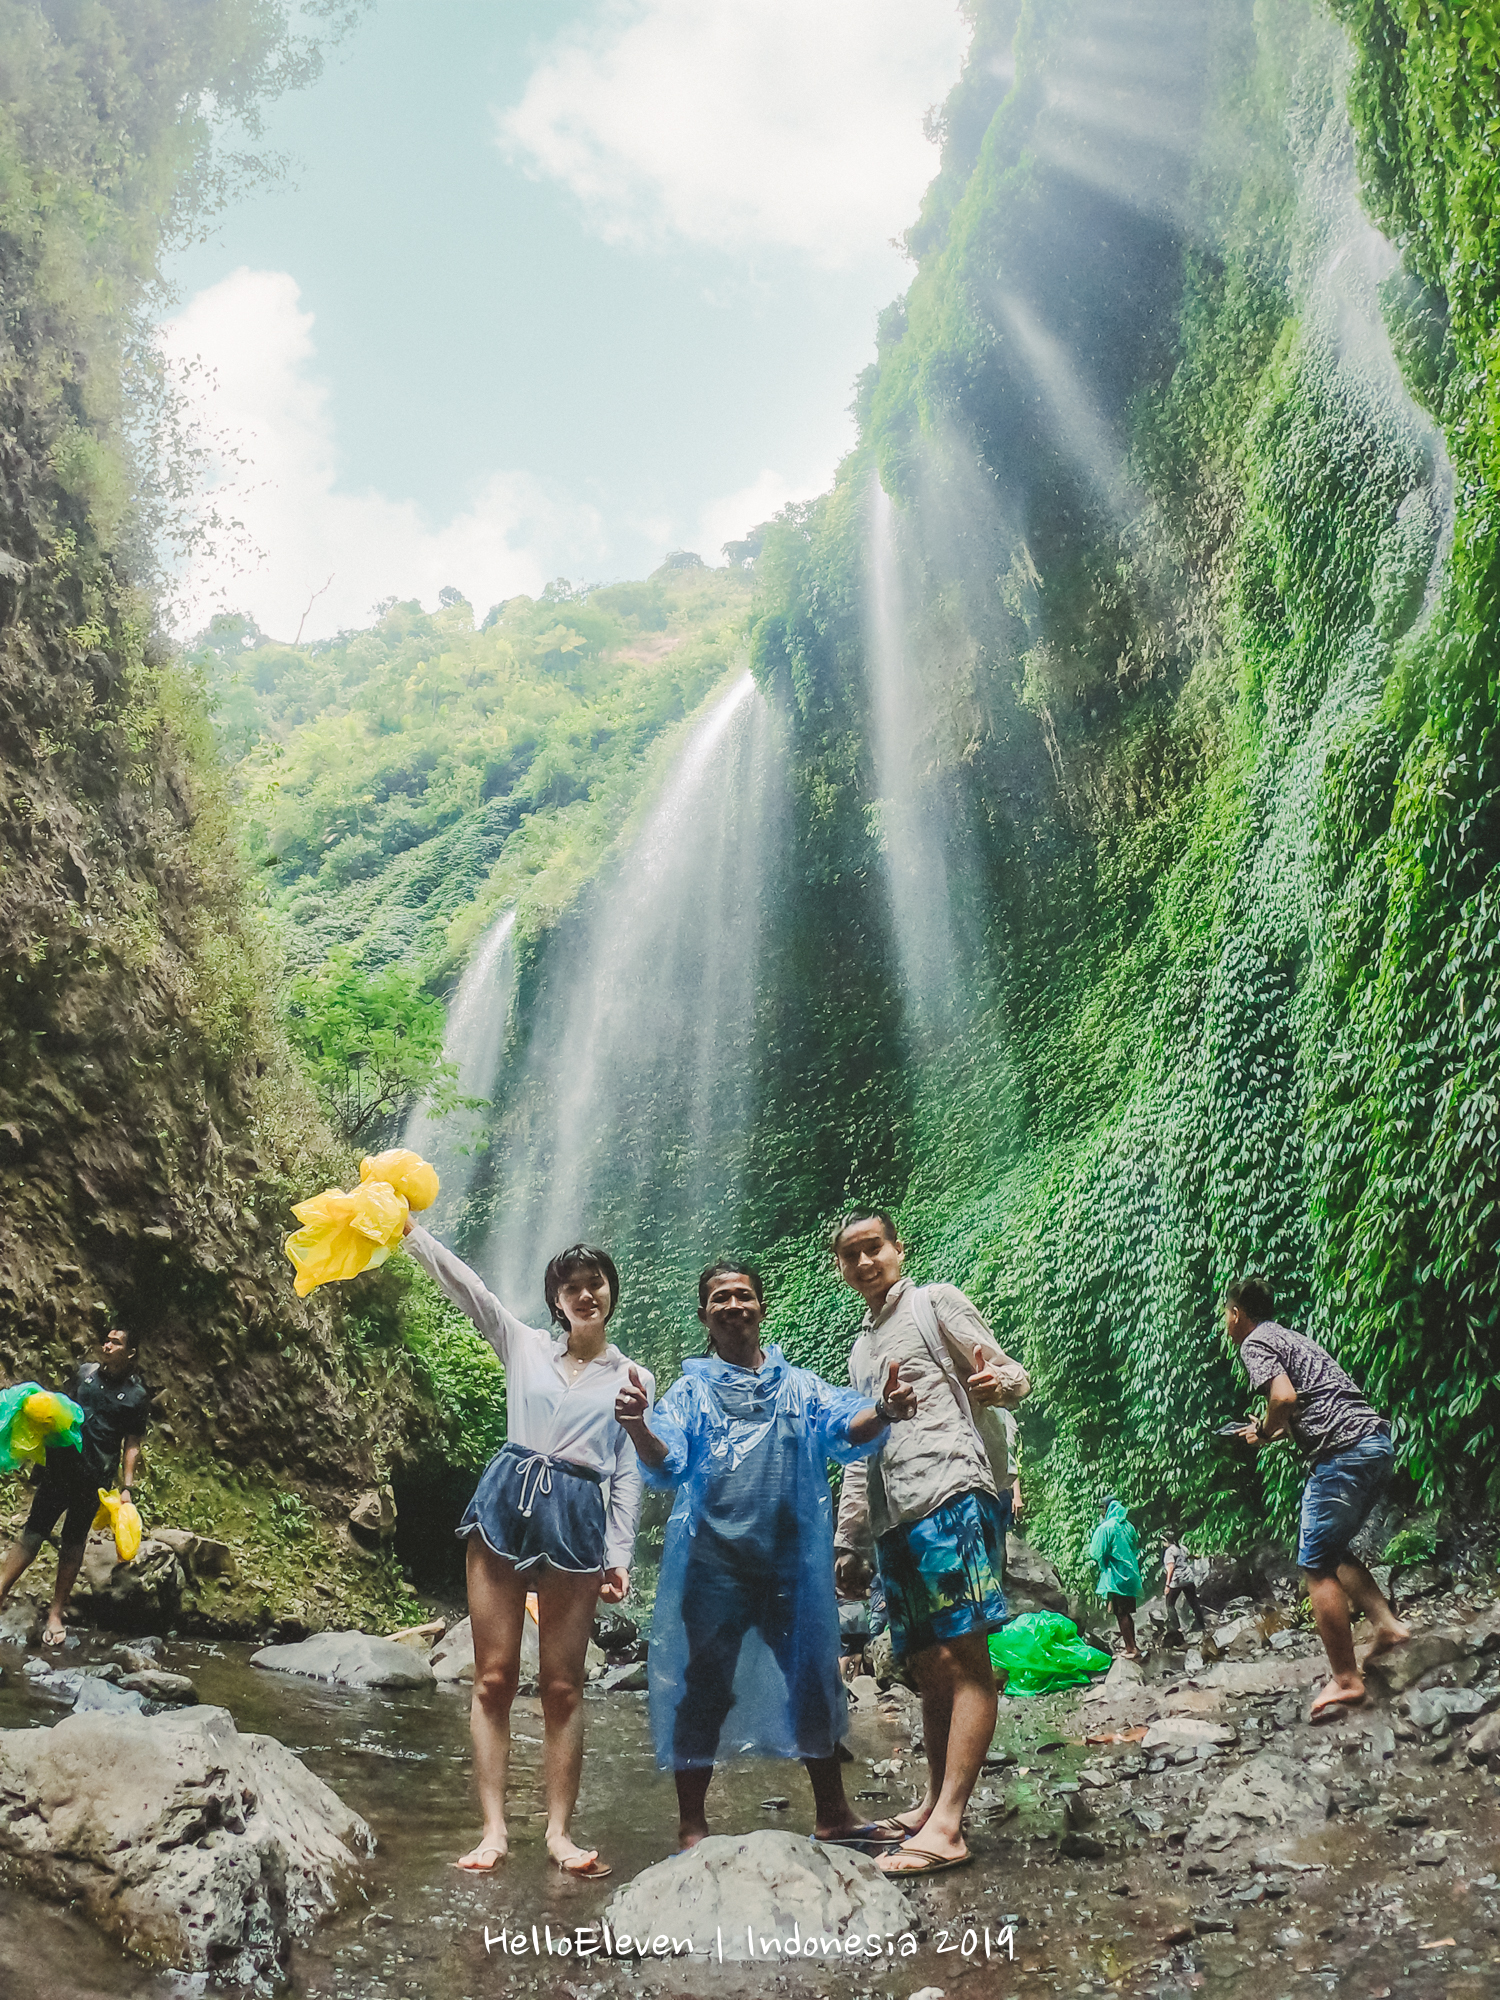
(244, 351)
(740, 122)
(729, 519)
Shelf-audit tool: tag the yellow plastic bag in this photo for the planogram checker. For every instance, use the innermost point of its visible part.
(121, 1517)
(408, 1173)
(344, 1234)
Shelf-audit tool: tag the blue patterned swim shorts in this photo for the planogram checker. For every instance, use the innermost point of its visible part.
(942, 1575)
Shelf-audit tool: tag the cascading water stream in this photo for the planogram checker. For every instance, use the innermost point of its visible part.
(474, 1038)
(629, 1120)
(912, 835)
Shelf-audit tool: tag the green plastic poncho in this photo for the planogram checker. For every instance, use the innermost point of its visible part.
(1117, 1552)
(32, 1420)
(1040, 1651)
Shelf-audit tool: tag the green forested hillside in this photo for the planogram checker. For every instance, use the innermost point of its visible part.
(401, 784)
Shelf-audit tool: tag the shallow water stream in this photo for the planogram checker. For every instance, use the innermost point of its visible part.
(1363, 1920)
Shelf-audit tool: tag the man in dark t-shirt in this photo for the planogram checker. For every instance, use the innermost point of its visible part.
(1348, 1447)
(116, 1405)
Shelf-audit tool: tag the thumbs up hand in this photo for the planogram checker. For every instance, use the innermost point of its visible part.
(899, 1398)
(984, 1385)
(631, 1403)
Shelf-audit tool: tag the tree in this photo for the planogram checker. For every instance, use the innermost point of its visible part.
(372, 1044)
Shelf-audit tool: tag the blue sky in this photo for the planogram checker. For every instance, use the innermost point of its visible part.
(550, 290)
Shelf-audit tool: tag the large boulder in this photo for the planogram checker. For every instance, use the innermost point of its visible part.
(1403, 1666)
(374, 1513)
(775, 1884)
(1267, 1793)
(1031, 1583)
(192, 1845)
(349, 1659)
(142, 1595)
(199, 1555)
(452, 1658)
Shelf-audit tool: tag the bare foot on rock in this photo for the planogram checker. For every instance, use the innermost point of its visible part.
(1341, 1693)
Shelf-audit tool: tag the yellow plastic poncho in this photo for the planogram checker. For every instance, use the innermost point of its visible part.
(344, 1234)
(121, 1517)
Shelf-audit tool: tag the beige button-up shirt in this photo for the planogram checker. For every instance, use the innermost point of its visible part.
(936, 1455)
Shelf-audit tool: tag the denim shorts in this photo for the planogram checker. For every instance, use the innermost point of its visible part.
(534, 1509)
(1337, 1500)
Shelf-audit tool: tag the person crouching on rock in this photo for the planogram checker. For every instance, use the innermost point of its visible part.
(1348, 1444)
(1115, 1550)
(555, 1511)
(744, 1657)
(116, 1407)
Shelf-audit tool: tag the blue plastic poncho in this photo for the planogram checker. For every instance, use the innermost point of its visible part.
(745, 1636)
(1117, 1552)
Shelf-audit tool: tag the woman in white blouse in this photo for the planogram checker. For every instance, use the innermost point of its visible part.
(555, 1511)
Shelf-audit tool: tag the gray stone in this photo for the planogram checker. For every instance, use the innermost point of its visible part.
(1420, 1580)
(80, 1690)
(864, 1691)
(374, 1513)
(139, 1596)
(629, 1679)
(190, 1844)
(174, 1690)
(1267, 1791)
(1031, 1582)
(348, 1659)
(452, 1658)
(199, 1555)
(1484, 1745)
(1404, 1665)
(1240, 1638)
(779, 1885)
(1171, 1730)
(1428, 1707)
(1123, 1676)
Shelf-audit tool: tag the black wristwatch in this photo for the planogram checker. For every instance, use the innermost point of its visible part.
(882, 1412)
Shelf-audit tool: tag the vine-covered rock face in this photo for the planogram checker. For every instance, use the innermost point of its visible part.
(152, 1125)
(1191, 475)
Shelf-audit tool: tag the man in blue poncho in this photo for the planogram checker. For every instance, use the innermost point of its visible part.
(745, 1636)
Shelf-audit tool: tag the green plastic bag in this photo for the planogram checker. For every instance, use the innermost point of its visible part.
(1041, 1651)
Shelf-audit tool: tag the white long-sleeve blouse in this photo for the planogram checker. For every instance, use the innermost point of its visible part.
(544, 1411)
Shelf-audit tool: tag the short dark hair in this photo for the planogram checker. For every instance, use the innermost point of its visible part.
(569, 1263)
(132, 1338)
(1253, 1296)
(850, 1216)
(725, 1268)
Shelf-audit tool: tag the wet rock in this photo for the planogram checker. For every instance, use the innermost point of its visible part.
(83, 1691)
(171, 1690)
(1123, 1676)
(1031, 1583)
(776, 1884)
(1240, 1638)
(348, 1659)
(199, 1555)
(143, 1595)
(374, 1513)
(1268, 1791)
(1405, 1665)
(187, 1842)
(20, 1622)
(1418, 1581)
(452, 1658)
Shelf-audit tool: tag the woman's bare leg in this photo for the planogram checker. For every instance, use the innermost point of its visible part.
(565, 1616)
(497, 1607)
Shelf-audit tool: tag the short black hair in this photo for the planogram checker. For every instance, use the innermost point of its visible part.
(1253, 1296)
(850, 1216)
(569, 1263)
(132, 1338)
(725, 1268)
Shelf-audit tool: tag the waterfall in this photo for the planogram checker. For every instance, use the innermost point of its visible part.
(911, 829)
(474, 1038)
(629, 1121)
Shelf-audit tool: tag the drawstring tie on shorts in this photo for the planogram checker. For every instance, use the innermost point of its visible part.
(536, 1480)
